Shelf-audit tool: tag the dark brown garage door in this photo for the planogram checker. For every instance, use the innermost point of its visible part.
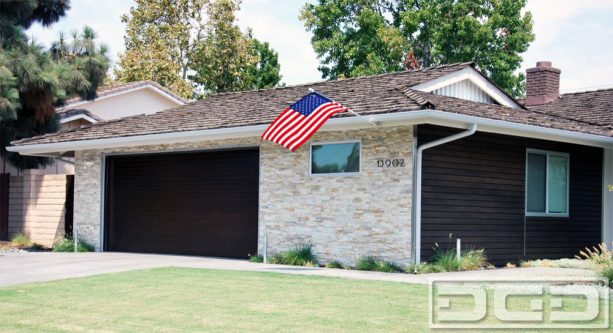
(203, 203)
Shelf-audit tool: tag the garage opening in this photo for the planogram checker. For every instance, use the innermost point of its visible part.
(197, 203)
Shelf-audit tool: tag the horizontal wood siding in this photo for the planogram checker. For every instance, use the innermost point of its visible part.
(564, 237)
(473, 189)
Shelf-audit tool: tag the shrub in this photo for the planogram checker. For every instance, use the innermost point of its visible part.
(21, 240)
(472, 259)
(607, 273)
(334, 264)
(67, 245)
(367, 263)
(301, 255)
(256, 258)
(370, 263)
(446, 259)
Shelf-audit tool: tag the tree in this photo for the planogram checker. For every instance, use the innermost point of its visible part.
(360, 37)
(33, 81)
(188, 45)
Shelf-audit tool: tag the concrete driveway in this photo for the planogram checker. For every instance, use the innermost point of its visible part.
(21, 268)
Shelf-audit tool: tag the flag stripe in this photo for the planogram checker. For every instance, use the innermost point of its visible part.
(287, 125)
(297, 124)
(308, 123)
(275, 124)
(296, 129)
(304, 137)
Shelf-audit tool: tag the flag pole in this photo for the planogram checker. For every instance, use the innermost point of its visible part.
(348, 109)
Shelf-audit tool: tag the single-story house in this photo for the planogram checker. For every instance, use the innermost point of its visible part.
(438, 153)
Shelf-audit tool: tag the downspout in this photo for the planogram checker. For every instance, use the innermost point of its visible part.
(418, 169)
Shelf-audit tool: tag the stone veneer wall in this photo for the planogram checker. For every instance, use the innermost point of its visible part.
(344, 217)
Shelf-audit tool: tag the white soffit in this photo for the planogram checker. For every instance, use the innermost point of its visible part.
(467, 84)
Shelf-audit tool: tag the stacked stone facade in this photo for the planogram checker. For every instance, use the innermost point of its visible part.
(343, 216)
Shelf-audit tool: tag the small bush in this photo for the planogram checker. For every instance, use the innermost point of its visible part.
(370, 263)
(367, 263)
(256, 258)
(21, 240)
(607, 273)
(446, 259)
(301, 255)
(334, 264)
(472, 260)
(67, 245)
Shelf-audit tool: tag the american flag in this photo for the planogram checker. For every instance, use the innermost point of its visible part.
(295, 126)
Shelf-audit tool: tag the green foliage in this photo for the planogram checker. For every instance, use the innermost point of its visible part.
(21, 240)
(194, 48)
(301, 255)
(424, 268)
(334, 264)
(357, 37)
(370, 263)
(446, 259)
(258, 258)
(67, 245)
(33, 80)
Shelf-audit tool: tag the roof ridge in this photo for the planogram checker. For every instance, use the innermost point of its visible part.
(306, 84)
(586, 91)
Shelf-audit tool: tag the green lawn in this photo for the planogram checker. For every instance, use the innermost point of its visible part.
(184, 300)
(180, 300)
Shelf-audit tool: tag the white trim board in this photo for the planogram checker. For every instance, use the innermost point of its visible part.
(77, 117)
(474, 77)
(433, 117)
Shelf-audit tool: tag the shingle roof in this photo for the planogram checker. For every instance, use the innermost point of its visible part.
(116, 88)
(594, 107)
(384, 93)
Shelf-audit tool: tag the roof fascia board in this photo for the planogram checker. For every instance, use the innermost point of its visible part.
(473, 76)
(434, 117)
(77, 117)
(122, 92)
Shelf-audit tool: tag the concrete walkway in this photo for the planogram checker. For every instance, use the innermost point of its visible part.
(21, 268)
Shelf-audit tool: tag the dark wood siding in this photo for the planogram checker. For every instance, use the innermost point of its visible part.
(564, 237)
(474, 189)
(202, 203)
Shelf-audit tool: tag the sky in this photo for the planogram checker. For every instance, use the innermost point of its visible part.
(575, 35)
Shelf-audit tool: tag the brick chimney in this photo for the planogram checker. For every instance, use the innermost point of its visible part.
(542, 84)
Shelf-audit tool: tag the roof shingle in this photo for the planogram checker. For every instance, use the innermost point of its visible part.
(384, 93)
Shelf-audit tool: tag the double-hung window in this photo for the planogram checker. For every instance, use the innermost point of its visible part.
(547, 183)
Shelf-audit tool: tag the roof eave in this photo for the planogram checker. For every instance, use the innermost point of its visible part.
(435, 117)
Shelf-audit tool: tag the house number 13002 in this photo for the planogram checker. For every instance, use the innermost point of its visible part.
(390, 163)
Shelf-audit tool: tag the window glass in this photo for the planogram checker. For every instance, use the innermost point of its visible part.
(557, 178)
(536, 182)
(335, 158)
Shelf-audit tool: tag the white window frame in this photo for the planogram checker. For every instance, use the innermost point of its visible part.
(359, 142)
(548, 153)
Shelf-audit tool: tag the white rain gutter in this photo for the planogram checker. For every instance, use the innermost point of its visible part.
(418, 168)
(434, 117)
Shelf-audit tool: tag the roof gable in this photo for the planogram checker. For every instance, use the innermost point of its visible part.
(125, 88)
(468, 84)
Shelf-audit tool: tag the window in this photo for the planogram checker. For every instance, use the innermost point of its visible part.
(547, 183)
(335, 158)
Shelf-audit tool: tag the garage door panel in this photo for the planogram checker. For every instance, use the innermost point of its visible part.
(196, 203)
